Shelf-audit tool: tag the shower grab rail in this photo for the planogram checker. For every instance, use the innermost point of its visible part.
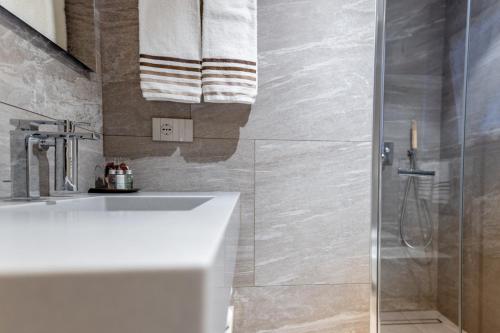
(416, 173)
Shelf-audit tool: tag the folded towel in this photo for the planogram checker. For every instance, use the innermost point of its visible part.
(229, 49)
(170, 47)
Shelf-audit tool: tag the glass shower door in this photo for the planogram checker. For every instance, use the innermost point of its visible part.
(439, 227)
(421, 196)
(481, 224)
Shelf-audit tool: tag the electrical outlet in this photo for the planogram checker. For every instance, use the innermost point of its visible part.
(166, 130)
(170, 129)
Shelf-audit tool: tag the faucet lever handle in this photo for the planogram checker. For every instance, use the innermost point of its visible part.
(70, 125)
(82, 123)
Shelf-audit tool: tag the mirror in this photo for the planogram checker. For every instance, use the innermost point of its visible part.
(70, 24)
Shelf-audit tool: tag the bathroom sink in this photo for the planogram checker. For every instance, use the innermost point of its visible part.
(148, 262)
(132, 203)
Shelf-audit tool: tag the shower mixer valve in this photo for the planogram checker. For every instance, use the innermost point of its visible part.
(388, 153)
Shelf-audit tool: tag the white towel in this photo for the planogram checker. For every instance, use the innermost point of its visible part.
(170, 47)
(229, 48)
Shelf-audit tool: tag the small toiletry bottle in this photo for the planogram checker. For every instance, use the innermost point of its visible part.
(99, 178)
(120, 180)
(112, 179)
(129, 179)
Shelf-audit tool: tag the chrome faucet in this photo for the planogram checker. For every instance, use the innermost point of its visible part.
(28, 156)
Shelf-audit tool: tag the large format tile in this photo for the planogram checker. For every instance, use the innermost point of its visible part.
(480, 6)
(16, 87)
(205, 165)
(119, 24)
(81, 31)
(32, 77)
(295, 91)
(312, 212)
(62, 92)
(127, 113)
(302, 309)
(481, 231)
(213, 120)
(483, 96)
(315, 76)
(414, 36)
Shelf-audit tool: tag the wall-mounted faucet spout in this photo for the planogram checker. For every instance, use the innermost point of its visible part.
(28, 147)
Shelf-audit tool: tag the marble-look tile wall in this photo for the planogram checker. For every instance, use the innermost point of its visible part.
(300, 157)
(39, 81)
(413, 84)
(81, 31)
(481, 263)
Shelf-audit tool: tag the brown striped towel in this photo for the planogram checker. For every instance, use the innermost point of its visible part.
(229, 49)
(170, 47)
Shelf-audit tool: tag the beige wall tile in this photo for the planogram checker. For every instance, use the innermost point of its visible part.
(119, 24)
(128, 113)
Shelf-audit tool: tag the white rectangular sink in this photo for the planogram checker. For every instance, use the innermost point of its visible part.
(133, 203)
(148, 263)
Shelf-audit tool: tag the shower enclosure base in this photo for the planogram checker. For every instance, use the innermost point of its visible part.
(416, 322)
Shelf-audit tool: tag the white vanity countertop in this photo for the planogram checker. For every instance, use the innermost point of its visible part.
(86, 234)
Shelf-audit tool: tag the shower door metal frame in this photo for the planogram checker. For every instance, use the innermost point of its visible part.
(377, 160)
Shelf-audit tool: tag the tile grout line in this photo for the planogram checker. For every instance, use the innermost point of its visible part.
(48, 117)
(247, 139)
(254, 207)
(307, 285)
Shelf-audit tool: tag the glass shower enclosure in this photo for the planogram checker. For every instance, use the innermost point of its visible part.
(436, 229)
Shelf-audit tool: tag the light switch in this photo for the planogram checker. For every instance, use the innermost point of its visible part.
(170, 129)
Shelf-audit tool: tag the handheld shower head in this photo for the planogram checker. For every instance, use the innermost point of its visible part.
(414, 135)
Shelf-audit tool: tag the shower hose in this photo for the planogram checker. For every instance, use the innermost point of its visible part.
(423, 212)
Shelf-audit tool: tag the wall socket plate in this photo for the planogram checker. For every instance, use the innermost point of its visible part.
(170, 129)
